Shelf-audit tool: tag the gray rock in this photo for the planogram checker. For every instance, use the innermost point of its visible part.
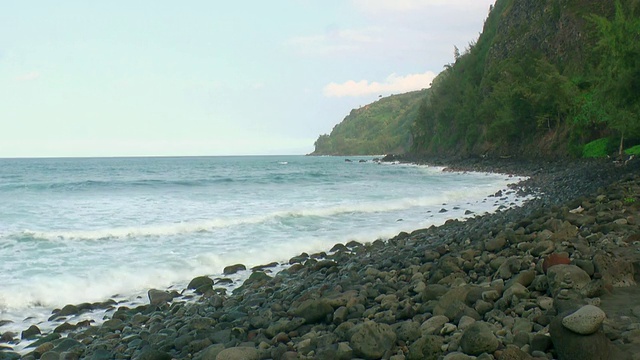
(201, 284)
(153, 354)
(31, 333)
(570, 345)
(586, 320)
(211, 352)
(566, 276)
(371, 340)
(239, 353)
(428, 347)
(433, 324)
(232, 269)
(478, 338)
(314, 310)
(158, 297)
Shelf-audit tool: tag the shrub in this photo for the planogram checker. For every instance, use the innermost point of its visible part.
(633, 150)
(596, 149)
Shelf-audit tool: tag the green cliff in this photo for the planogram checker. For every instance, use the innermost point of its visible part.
(544, 78)
(381, 127)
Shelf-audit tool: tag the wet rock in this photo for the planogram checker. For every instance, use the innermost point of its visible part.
(159, 297)
(31, 333)
(201, 284)
(232, 269)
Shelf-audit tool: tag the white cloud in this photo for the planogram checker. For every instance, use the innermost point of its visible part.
(30, 76)
(392, 84)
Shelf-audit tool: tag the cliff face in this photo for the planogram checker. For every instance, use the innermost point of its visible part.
(556, 29)
(537, 82)
(529, 86)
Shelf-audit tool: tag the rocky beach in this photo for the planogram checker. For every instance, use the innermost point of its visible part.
(553, 279)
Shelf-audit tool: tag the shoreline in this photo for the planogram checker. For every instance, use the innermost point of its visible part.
(307, 308)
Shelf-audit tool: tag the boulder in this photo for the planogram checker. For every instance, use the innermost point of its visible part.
(566, 277)
(159, 297)
(553, 260)
(200, 284)
(371, 340)
(232, 269)
(615, 271)
(239, 353)
(428, 347)
(30, 333)
(314, 310)
(478, 338)
(570, 345)
(586, 320)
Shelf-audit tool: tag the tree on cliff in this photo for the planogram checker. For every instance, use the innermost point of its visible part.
(619, 84)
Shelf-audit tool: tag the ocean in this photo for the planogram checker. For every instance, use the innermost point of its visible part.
(76, 230)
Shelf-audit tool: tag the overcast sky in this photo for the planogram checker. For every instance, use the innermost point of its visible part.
(134, 78)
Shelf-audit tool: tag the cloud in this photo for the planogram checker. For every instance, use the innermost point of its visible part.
(30, 76)
(392, 84)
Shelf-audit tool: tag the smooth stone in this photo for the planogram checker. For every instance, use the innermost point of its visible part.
(586, 320)
(232, 269)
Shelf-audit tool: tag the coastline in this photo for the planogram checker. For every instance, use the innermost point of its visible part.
(379, 300)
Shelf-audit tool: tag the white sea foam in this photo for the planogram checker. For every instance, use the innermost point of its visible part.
(92, 245)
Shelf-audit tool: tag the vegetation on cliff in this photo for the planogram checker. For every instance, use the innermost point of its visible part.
(382, 127)
(544, 78)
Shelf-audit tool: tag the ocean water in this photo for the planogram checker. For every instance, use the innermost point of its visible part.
(78, 230)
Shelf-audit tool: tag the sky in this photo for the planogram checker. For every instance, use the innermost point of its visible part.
(164, 78)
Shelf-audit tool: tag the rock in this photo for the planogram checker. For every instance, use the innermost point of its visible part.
(615, 271)
(314, 310)
(211, 352)
(458, 356)
(566, 277)
(514, 353)
(553, 260)
(200, 284)
(239, 353)
(495, 243)
(433, 324)
(232, 269)
(371, 340)
(159, 297)
(428, 347)
(478, 338)
(586, 320)
(153, 354)
(30, 333)
(570, 345)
